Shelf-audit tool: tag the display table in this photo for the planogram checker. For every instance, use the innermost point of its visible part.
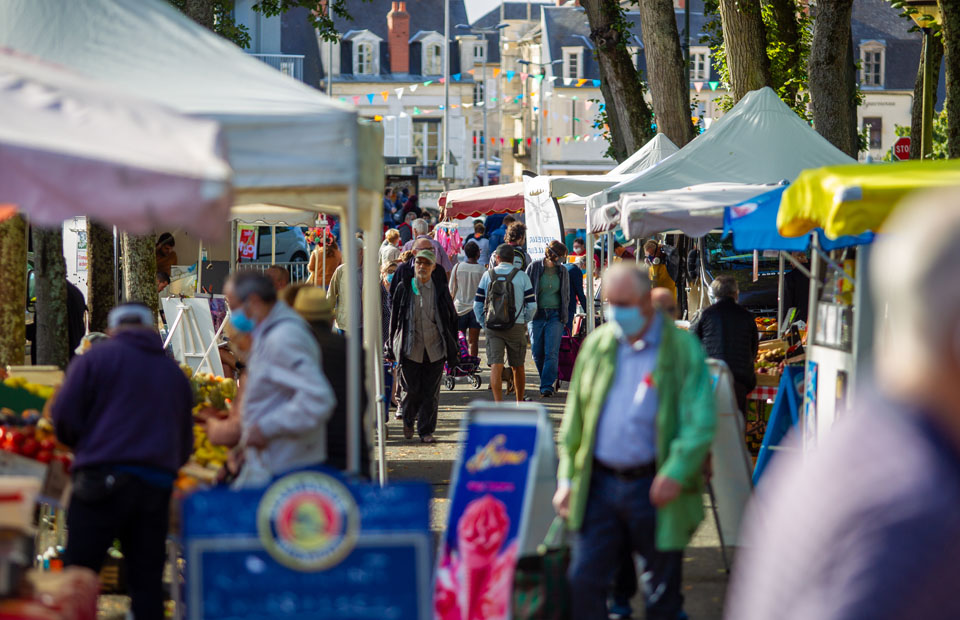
(764, 393)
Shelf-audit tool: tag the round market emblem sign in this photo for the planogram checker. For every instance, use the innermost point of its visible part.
(308, 521)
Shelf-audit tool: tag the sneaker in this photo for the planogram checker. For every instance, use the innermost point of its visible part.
(546, 394)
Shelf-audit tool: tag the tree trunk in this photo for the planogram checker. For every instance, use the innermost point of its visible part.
(666, 71)
(745, 42)
(140, 270)
(50, 271)
(13, 290)
(101, 282)
(627, 112)
(201, 11)
(833, 76)
(916, 112)
(950, 31)
(788, 33)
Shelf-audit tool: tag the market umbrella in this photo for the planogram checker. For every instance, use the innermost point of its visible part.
(753, 224)
(476, 201)
(848, 200)
(71, 146)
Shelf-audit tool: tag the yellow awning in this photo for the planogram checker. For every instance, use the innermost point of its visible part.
(852, 199)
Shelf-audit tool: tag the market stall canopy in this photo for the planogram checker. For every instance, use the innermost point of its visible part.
(476, 201)
(753, 224)
(287, 143)
(71, 145)
(272, 215)
(848, 200)
(694, 210)
(761, 140)
(650, 154)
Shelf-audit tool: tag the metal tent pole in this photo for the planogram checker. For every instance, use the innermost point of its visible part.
(591, 305)
(780, 309)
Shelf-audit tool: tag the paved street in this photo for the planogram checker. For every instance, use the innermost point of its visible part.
(705, 581)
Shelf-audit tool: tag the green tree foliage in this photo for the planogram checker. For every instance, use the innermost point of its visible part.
(228, 28)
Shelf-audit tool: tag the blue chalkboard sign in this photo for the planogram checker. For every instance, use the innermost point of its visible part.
(310, 545)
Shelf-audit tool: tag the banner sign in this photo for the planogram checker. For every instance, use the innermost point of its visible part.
(541, 216)
(247, 245)
(310, 545)
(490, 511)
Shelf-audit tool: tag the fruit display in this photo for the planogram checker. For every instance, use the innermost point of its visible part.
(210, 392)
(766, 324)
(30, 435)
(204, 452)
(770, 362)
(40, 391)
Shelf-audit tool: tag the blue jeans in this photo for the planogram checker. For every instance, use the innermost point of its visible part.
(545, 331)
(619, 514)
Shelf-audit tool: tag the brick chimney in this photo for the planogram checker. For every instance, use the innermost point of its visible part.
(398, 37)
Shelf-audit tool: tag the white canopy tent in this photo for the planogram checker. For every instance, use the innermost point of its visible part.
(652, 153)
(761, 140)
(70, 144)
(693, 211)
(287, 143)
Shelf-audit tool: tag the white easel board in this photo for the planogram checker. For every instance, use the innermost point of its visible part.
(190, 331)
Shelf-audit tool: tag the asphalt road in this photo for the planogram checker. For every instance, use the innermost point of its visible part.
(705, 580)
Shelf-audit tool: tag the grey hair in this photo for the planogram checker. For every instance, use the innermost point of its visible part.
(247, 283)
(419, 226)
(640, 275)
(917, 301)
(725, 286)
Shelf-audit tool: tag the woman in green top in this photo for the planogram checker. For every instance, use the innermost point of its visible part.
(551, 285)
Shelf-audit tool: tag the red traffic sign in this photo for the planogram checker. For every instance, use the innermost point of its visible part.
(901, 148)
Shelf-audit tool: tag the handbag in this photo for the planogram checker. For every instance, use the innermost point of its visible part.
(540, 589)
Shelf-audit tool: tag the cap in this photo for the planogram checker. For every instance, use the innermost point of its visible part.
(130, 314)
(427, 254)
(312, 304)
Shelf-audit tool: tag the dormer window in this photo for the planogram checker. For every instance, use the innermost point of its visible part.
(479, 54)
(573, 62)
(872, 56)
(366, 52)
(699, 64)
(433, 59)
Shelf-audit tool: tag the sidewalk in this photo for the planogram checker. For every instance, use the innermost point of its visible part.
(705, 581)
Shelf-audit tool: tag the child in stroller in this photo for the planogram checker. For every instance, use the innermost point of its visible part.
(469, 366)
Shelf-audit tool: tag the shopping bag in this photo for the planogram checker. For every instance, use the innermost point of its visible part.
(540, 590)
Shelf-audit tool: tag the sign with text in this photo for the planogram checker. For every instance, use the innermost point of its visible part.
(541, 216)
(310, 545)
(492, 501)
(247, 243)
(901, 148)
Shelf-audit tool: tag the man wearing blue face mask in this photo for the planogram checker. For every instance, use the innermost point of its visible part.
(287, 399)
(638, 424)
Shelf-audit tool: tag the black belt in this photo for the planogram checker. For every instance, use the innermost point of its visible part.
(647, 470)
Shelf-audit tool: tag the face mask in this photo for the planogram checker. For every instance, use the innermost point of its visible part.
(241, 322)
(390, 278)
(628, 318)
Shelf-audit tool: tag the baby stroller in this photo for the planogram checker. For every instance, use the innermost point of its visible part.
(469, 366)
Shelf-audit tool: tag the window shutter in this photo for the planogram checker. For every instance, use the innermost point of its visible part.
(389, 136)
(404, 134)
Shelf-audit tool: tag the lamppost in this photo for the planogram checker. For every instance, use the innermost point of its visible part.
(483, 32)
(543, 72)
(926, 15)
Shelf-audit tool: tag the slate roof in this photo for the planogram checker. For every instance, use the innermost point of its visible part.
(565, 25)
(512, 11)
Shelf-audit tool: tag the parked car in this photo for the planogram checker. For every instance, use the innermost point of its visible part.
(759, 297)
(493, 172)
(292, 245)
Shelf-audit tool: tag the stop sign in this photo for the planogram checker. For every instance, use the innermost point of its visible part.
(901, 148)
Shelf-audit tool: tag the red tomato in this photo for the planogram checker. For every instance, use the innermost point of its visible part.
(44, 456)
(48, 444)
(30, 447)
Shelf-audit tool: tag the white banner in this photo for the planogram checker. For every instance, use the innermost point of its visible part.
(541, 216)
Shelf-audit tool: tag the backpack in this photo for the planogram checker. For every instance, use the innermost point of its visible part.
(499, 307)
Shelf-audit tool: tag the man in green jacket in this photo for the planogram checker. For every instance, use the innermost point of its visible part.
(638, 425)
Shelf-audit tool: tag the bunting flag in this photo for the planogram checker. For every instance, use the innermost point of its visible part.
(698, 86)
(469, 105)
(596, 83)
(581, 82)
(413, 88)
(552, 79)
(343, 99)
(493, 141)
(540, 77)
(545, 113)
(602, 107)
(385, 95)
(713, 85)
(510, 75)
(524, 76)
(442, 80)
(496, 71)
(501, 141)
(399, 92)
(529, 141)
(472, 71)
(356, 100)
(454, 106)
(456, 77)
(416, 110)
(370, 98)
(587, 105)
